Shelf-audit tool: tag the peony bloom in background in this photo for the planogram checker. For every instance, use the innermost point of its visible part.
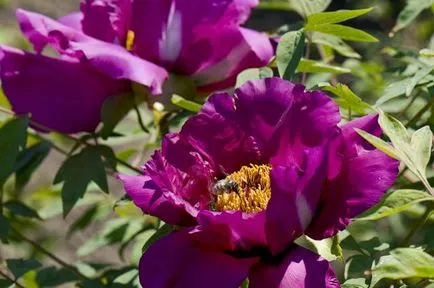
(247, 176)
(113, 42)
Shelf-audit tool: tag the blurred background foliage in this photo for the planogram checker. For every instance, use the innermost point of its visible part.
(99, 242)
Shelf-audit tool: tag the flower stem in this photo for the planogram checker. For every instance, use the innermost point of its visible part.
(419, 224)
(49, 254)
(6, 276)
(140, 119)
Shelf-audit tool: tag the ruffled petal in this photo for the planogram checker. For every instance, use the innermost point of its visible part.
(176, 261)
(300, 268)
(107, 20)
(72, 20)
(230, 230)
(218, 137)
(358, 176)
(64, 95)
(295, 192)
(311, 121)
(110, 59)
(217, 67)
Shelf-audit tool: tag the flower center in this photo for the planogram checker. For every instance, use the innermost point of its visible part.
(246, 190)
(130, 40)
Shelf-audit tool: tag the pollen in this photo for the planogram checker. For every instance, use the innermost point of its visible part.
(254, 190)
(130, 40)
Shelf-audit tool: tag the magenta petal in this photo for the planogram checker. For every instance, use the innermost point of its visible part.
(110, 59)
(230, 230)
(107, 20)
(310, 121)
(218, 66)
(300, 268)
(175, 261)
(358, 176)
(215, 133)
(152, 200)
(72, 20)
(62, 95)
(295, 192)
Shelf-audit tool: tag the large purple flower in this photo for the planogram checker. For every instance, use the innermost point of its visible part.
(112, 42)
(247, 176)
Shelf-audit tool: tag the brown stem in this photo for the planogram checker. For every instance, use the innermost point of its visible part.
(6, 276)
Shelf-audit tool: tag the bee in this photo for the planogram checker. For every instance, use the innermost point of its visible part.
(225, 186)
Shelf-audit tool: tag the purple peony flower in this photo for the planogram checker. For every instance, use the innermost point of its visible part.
(112, 42)
(247, 176)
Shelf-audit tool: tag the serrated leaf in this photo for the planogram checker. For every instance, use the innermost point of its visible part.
(335, 43)
(185, 104)
(13, 136)
(378, 143)
(78, 172)
(289, 52)
(404, 263)
(414, 150)
(312, 66)
(348, 100)
(395, 202)
(113, 110)
(253, 74)
(161, 232)
(335, 16)
(327, 248)
(18, 208)
(19, 267)
(410, 12)
(28, 161)
(343, 32)
(4, 229)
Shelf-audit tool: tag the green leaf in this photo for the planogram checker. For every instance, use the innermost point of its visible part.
(426, 53)
(355, 283)
(378, 143)
(21, 209)
(289, 52)
(357, 265)
(414, 151)
(395, 202)
(4, 229)
(19, 267)
(28, 161)
(328, 248)
(114, 109)
(334, 17)
(404, 263)
(13, 137)
(410, 12)
(312, 66)
(78, 171)
(5, 283)
(308, 7)
(348, 100)
(83, 221)
(417, 78)
(53, 277)
(335, 43)
(185, 104)
(343, 32)
(253, 74)
(162, 231)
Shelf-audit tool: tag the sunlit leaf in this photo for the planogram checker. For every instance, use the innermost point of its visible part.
(343, 32)
(410, 12)
(334, 17)
(185, 104)
(378, 143)
(404, 263)
(335, 43)
(328, 248)
(348, 100)
(312, 66)
(417, 78)
(308, 7)
(253, 74)
(395, 202)
(289, 53)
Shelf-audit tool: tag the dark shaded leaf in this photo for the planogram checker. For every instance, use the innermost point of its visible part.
(114, 109)
(18, 208)
(4, 229)
(19, 267)
(162, 231)
(52, 277)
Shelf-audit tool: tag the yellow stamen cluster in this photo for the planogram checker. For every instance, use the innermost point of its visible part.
(130, 40)
(254, 190)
